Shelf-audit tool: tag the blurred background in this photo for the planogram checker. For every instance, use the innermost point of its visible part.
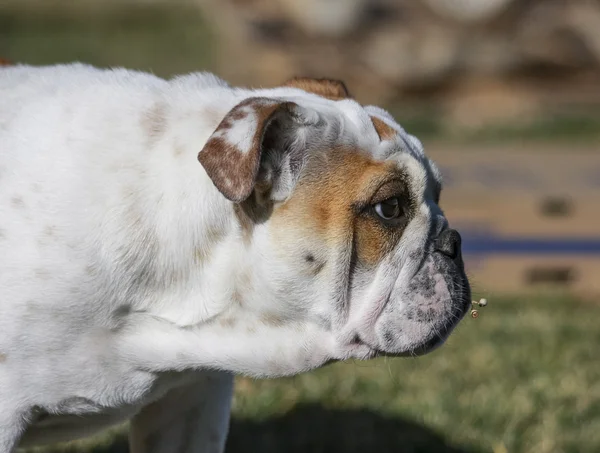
(505, 96)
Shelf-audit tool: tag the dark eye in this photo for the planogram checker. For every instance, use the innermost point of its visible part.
(389, 209)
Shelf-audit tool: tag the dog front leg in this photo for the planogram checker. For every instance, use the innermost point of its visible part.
(247, 348)
(193, 418)
(12, 426)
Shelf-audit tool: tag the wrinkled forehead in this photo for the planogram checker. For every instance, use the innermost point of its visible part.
(374, 132)
(369, 130)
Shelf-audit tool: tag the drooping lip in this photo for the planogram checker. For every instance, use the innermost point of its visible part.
(429, 346)
(437, 339)
(442, 334)
(365, 335)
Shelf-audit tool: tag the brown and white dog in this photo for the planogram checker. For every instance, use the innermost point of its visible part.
(158, 237)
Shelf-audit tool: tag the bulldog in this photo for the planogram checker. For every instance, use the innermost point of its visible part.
(160, 236)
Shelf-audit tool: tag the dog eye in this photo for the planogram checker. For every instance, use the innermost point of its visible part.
(389, 209)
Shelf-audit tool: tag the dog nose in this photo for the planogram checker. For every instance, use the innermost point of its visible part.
(448, 243)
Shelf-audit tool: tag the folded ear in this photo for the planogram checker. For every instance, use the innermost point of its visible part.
(253, 142)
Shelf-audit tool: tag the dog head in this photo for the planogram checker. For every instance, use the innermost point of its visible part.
(339, 208)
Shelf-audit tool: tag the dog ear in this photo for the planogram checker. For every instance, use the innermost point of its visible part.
(384, 131)
(327, 88)
(254, 146)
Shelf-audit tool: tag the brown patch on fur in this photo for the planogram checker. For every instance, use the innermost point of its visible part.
(154, 122)
(237, 115)
(201, 255)
(178, 151)
(17, 202)
(236, 298)
(373, 240)
(214, 234)
(232, 170)
(92, 270)
(50, 230)
(211, 114)
(327, 88)
(5, 62)
(243, 283)
(315, 266)
(271, 319)
(227, 322)
(42, 274)
(384, 131)
(2, 357)
(246, 224)
(335, 206)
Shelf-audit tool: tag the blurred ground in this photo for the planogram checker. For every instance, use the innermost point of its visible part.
(525, 376)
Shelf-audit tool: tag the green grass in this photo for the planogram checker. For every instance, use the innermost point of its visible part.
(524, 377)
(151, 38)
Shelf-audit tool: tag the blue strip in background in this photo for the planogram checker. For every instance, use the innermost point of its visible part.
(490, 244)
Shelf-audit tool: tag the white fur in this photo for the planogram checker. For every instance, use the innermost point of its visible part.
(121, 262)
(241, 134)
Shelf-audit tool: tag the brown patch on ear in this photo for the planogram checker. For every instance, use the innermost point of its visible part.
(384, 131)
(234, 170)
(327, 88)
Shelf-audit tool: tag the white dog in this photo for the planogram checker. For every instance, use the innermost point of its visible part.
(158, 237)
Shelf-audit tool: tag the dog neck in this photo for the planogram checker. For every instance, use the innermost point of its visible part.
(190, 247)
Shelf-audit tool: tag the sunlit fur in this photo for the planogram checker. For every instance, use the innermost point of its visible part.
(126, 275)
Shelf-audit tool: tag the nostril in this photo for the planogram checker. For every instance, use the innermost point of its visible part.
(450, 250)
(448, 243)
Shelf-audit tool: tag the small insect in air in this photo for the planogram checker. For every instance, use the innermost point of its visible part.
(474, 311)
